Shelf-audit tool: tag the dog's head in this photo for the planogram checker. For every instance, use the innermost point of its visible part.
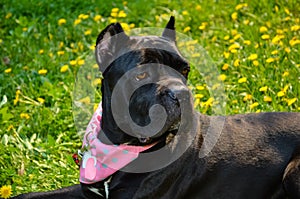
(140, 72)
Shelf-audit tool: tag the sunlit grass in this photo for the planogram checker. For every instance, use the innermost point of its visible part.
(255, 46)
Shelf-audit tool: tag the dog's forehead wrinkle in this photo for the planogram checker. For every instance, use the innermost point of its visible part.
(155, 42)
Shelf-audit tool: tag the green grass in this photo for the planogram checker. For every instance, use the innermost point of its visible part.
(38, 133)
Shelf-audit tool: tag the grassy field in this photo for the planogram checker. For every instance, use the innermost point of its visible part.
(254, 45)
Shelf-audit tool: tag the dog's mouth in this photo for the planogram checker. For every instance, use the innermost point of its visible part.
(168, 135)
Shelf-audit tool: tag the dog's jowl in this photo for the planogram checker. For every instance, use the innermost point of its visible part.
(147, 107)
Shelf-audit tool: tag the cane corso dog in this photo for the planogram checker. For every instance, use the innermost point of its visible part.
(255, 156)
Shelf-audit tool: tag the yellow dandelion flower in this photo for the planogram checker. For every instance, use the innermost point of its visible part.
(255, 63)
(41, 100)
(276, 8)
(200, 88)
(95, 66)
(256, 45)
(234, 102)
(274, 52)
(97, 81)
(225, 66)
(222, 77)
(233, 46)
(280, 93)
(8, 15)
(88, 32)
(77, 21)
(286, 10)
(236, 62)
(83, 16)
(42, 72)
(252, 57)
(185, 12)
(61, 44)
(226, 55)
(246, 21)
(203, 26)
(60, 52)
(208, 103)
(286, 87)
(9, 128)
(287, 50)
(234, 16)
(125, 26)
(132, 25)
(279, 31)
(113, 20)
(114, 14)
(199, 95)
(5, 191)
(186, 29)
(92, 47)
(97, 18)
(277, 39)
(62, 21)
(247, 97)
(255, 104)
(236, 37)
(242, 80)
(198, 7)
(267, 99)
(294, 42)
(196, 55)
(234, 32)
(24, 116)
(197, 102)
(64, 68)
(122, 14)
(295, 27)
(285, 74)
(80, 62)
(8, 70)
(226, 37)
(85, 100)
(240, 6)
(263, 29)
(191, 42)
(233, 51)
(263, 89)
(115, 10)
(41, 51)
(265, 37)
(247, 42)
(291, 101)
(73, 62)
(24, 29)
(270, 60)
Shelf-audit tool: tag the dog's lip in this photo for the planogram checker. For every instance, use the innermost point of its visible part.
(174, 126)
(144, 140)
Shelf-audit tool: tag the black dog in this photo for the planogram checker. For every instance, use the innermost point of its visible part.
(255, 156)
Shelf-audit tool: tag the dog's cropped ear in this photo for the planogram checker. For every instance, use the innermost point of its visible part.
(108, 43)
(169, 31)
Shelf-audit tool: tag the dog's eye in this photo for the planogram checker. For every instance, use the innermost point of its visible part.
(141, 76)
(185, 71)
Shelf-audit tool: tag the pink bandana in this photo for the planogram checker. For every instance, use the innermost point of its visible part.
(100, 160)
